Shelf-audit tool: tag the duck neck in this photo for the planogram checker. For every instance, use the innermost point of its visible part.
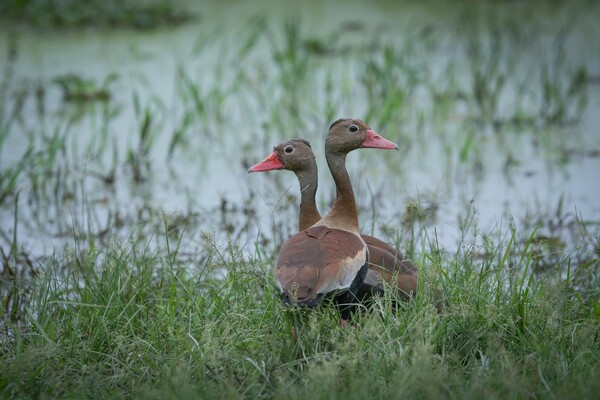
(309, 214)
(343, 213)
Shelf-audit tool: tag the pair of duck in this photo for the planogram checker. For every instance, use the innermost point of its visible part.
(329, 258)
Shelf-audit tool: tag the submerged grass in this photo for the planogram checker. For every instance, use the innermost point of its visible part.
(267, 92)
(128, 321)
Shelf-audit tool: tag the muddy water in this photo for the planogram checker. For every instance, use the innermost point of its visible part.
(519, 170)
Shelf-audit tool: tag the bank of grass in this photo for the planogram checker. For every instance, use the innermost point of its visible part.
(131, 322)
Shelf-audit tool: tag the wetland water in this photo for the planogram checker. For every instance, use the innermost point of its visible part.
(495, 109)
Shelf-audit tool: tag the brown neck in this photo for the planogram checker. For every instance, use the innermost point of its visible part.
(343, 214)
(309, 214)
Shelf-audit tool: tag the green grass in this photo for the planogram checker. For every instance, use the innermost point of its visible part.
(130, 321)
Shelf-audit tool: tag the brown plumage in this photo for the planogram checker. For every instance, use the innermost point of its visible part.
(330, 257)
(385, 264)
(317, 261)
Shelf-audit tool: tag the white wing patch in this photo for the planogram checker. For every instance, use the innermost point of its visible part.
(348, 269)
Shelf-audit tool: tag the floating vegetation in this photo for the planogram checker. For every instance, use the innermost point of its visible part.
(80, 90)
(95, 13)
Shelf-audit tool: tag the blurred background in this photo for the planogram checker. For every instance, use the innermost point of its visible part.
(124, 120)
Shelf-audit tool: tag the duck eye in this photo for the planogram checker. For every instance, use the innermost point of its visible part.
(288, 149)
(353, 128)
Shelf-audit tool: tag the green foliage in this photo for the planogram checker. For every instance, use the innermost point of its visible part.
(75, 14)
(132, 322)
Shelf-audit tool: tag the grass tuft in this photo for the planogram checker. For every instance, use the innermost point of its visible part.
(130, 321)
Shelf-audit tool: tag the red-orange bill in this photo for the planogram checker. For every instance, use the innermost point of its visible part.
(374, 141)
(270, 163)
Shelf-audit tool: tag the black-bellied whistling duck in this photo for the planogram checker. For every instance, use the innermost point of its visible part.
(330, 258)
(385, 263)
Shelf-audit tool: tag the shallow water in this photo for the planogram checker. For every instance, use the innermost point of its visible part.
(251, 100)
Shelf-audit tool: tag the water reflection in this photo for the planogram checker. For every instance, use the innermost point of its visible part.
(104, 130)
